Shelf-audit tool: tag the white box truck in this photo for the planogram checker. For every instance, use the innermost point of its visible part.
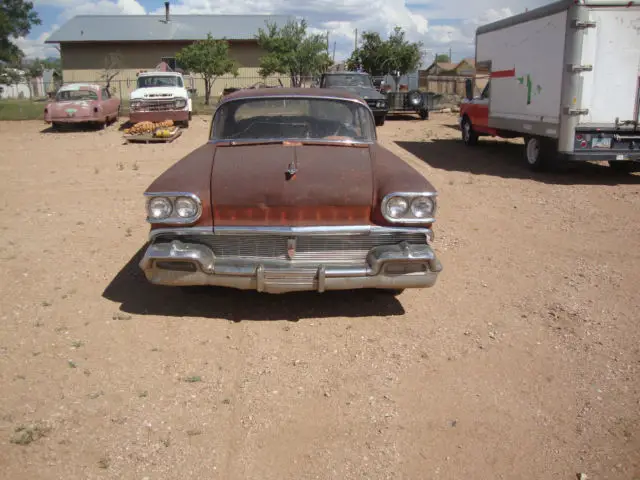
(566, 77)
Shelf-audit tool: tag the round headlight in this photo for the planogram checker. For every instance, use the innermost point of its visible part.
(397, 207)
(159, 208)
(422, 207)
(186, 207)
(181, 103)
(415, 98)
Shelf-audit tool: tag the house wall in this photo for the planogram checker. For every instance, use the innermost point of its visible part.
(85, 62)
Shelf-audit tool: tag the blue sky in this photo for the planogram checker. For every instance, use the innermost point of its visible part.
(440, 24)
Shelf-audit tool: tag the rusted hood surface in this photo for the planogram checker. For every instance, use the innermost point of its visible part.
(332, 185)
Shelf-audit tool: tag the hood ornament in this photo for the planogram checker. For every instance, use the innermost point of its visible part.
(291, 170)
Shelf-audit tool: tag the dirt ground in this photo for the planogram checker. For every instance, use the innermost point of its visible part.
(523, 362)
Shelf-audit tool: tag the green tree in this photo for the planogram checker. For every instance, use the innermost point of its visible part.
(396, 55)
(16, 19)
(443, 58)
(210, 58)
(290, 51)
(33, 69)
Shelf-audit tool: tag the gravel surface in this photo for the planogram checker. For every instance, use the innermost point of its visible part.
(522, 362)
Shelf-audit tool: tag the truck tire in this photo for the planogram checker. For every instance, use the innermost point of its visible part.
(538, 152)
(624, 166)
(424, 114)
(469, 137)
(380, 120)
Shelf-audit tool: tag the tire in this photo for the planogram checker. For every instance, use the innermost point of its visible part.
(469, 137)
(424, 114)
(623, 166)
(189, 115)
(394, 292)
(537, 153)
(380, 120)
(184, 124)
(55, 126)
(195, 289)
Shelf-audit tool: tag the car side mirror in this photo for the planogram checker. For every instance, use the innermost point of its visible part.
(468, 87)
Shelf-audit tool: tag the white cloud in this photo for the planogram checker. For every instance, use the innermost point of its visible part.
(339, 17)
(35, 47)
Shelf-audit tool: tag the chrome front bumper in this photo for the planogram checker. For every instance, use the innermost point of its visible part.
(398, 266)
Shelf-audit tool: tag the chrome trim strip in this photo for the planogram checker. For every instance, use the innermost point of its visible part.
(411, 196)
(285, 231)
(172, 196)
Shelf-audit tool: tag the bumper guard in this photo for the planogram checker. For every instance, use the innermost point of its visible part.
(399, 266)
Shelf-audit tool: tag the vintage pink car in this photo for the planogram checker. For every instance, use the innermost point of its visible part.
(82, 103)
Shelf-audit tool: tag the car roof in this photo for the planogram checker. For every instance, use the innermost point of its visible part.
(158, 73)
(293, 92)
(76, 86)
(346, 73)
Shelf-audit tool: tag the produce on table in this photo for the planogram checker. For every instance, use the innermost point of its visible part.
(142, 128)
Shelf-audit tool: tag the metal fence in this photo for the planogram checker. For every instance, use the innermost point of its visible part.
(122, 87)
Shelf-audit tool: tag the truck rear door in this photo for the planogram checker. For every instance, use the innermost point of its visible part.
(612, 89)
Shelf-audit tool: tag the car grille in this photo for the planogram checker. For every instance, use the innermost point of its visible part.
(372, 103)
(156, 105)
(342, 250)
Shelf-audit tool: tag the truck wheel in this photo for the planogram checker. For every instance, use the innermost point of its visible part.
(380, 120)
(424, 114)
(189, 115)
(468, 135)
(537, 152)
(623, 166)
(185, 124)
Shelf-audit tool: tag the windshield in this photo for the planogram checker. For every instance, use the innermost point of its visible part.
(159, 81)
(76, 95)
(354, 80)
(293, 118)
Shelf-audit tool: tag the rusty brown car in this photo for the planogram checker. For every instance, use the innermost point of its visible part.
(291, 192)
(82, 103)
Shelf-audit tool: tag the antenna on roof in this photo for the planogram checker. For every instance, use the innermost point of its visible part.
(166, 12)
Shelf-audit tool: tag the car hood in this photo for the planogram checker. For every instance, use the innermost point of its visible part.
(157, 93)
(364, 92)
(333, 185)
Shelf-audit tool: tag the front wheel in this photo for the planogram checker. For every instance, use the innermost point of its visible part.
(468, 135)
(537, 152)
(380, 120)
(424, 114)
(394, 292)
(623, 166)
(189, 115)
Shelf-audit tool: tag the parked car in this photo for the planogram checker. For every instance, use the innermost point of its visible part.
(82, 103)
(362, 85)
(291, 191)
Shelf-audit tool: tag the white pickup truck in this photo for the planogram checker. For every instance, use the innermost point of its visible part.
(160, 96)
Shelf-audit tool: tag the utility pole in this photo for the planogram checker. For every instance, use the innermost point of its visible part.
(327, 42)
(450, 59)
(356, 43)
(334, 52)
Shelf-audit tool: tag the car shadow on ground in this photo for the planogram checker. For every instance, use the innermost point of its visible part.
(403, 116)
(72, 128)
(503, 159)
(137, 296)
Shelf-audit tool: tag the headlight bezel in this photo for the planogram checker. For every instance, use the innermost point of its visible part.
(174, 218)
(409, 217)
(178, 100)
